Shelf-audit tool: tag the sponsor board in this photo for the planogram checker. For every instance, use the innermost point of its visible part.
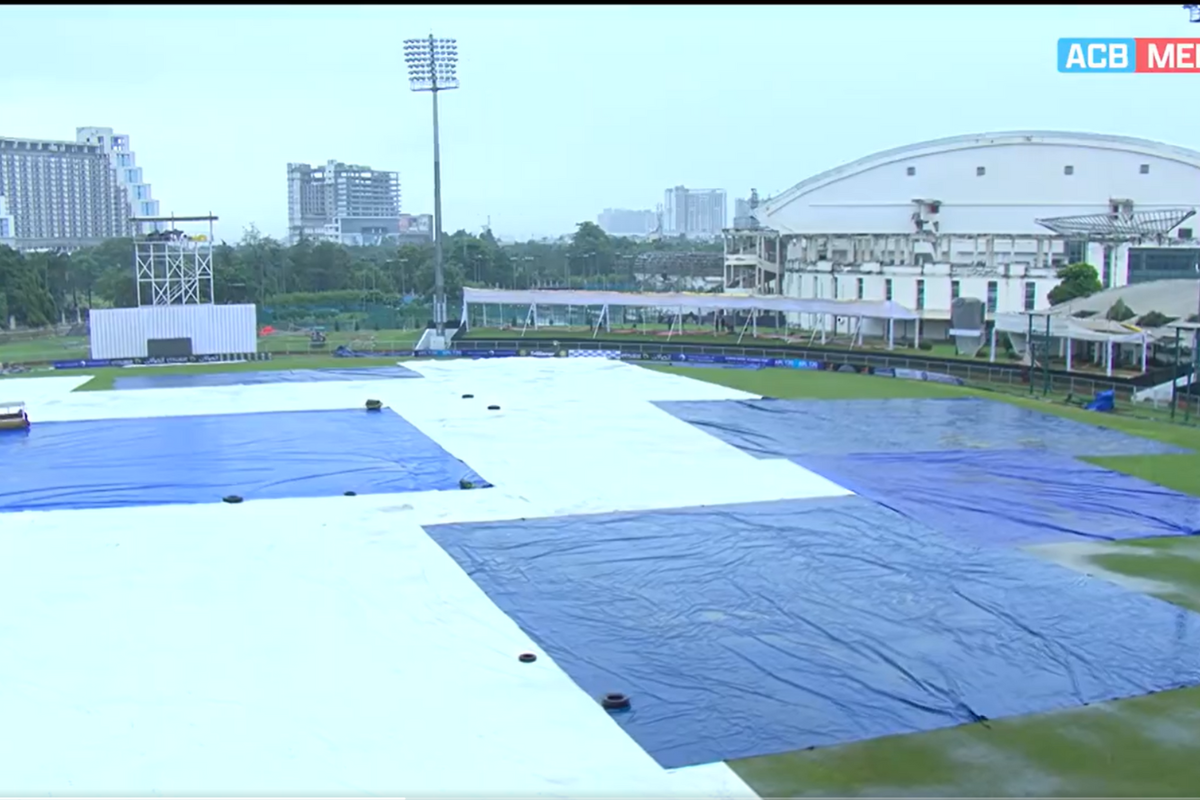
(799, 363)
(940, 377)
(464, 353)
(896, 372)
(543, 353)
(101, 363)
(757, 362)
(922, 375)
(594, 354)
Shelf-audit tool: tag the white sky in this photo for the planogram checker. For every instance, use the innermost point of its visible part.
(563, 111)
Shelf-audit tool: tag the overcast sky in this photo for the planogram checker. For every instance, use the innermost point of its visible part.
(563, 111)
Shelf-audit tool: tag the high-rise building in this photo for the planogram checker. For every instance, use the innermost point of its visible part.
(71, 194)
(743, 211)
(60, 194)
(6, 221)
(699, 213)
(344, 203)
(625, 222)
(128, 174)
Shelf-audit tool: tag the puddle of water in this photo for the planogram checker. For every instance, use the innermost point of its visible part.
(977, 769)
(1079, 557)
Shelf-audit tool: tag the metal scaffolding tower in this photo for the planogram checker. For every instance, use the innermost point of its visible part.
(172, 267)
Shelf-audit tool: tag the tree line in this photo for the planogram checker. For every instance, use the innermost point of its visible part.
(44, 288)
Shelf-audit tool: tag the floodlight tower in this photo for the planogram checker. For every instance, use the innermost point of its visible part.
(433, 67)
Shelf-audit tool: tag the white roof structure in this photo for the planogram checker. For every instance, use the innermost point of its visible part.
(543, 297)
(1174, 298)
(998, 183)
(1081, 330)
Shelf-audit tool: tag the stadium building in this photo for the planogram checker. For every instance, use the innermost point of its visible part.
(990, 216)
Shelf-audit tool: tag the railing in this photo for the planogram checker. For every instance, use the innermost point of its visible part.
(994, 376)
(33, 334)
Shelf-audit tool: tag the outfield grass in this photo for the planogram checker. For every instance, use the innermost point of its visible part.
(1143, 746)
(50, 348)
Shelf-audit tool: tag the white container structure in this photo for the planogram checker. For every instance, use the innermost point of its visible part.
(119, 333)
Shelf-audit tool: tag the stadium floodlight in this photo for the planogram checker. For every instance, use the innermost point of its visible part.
(433, 67)
(432, 64)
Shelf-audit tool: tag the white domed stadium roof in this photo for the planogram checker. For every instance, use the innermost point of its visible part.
(988, 183)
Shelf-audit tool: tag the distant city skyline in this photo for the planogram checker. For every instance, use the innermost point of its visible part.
(700, 213)
(627, 222)
(215, 126)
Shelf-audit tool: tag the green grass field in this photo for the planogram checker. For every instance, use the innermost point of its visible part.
(1141, 747)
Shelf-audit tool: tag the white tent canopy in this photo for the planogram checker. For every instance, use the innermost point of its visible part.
(1104, 333)
(841, 308)
(1082, 330)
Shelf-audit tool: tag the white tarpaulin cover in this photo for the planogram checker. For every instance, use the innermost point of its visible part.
(549, 297)
(328, 645)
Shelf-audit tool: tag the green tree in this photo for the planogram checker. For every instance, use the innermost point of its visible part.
(469, 255)
(41, 287)
(231, 280)
(23, 288)
(117, 287)
(410, 260)
(1155, 319)
(1075, 281)
(261, 263)
(53, 273)
(451, 275)
(114, 265)
(590, 252)
(85, 269)
(1119, 312)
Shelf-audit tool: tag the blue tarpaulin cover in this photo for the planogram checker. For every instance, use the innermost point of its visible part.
(163, 460)
(146, 379)
(753, 629)
(790, 428)
(1014, 497)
